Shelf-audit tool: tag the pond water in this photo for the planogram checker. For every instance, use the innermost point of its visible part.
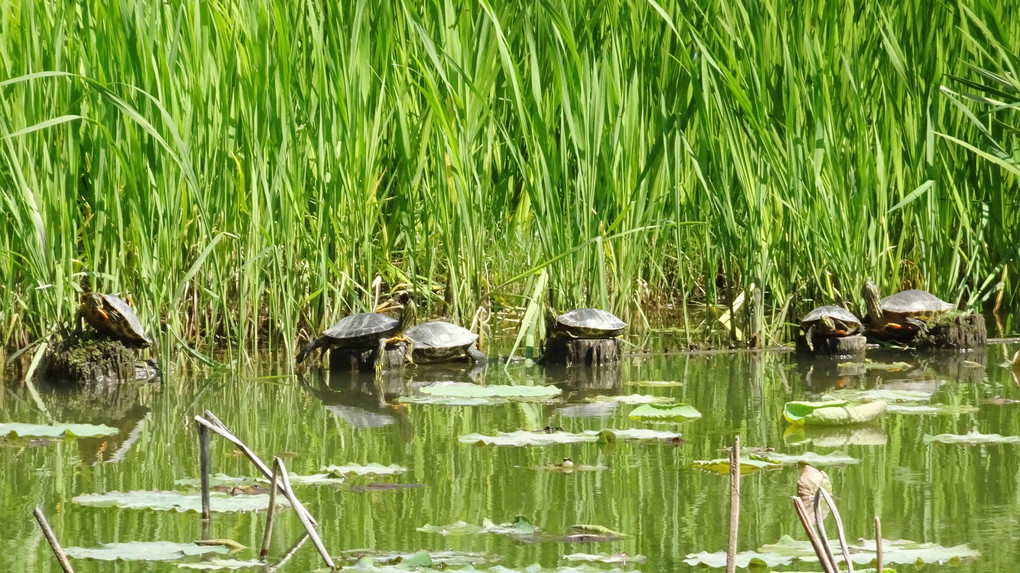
(648, 490)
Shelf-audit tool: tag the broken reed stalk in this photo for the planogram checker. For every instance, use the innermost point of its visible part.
(823, 558)
(268, 535)
(731, 549)
(204, 461)
(214, 424)
(58, 551)
(284, 485)
(878, 544)
(820, 527)
(822, 494)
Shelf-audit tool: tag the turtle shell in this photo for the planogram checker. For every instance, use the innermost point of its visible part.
(438, 341)
(588, 323)
(915, 303)
(113, 316)
(362, 329)
(831, 320)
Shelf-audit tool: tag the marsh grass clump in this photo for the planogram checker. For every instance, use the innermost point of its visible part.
(247, 172)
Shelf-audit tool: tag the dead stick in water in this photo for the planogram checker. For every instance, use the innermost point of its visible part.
(284, 485)
(268, 535)
(204, 461)
(823, 558)
(878, 544)
(58, 551)
(216, 426)
(731, 549)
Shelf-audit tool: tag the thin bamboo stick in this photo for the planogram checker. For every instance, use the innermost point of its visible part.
(731, 549)
(878, 544)
(204, 462)
(58, 551)
(309, 527)
(268, 535)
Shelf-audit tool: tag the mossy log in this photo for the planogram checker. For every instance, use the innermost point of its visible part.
(362, 359)
(958, 332)
(585, 351)
(833, 345)
(88, 358)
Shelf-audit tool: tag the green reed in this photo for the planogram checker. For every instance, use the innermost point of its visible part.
(247, 169)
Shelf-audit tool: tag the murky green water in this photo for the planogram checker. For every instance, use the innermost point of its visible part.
(945, 494)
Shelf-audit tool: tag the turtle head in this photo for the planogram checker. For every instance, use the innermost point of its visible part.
(872, 300)
(408, 315)
(93, 303)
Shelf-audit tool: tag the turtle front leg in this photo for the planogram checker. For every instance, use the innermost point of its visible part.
(380, 357)
(921, 326)
(409, 352)
(809, 335)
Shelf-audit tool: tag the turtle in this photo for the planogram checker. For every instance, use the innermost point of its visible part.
(902, 314)
(112, 316)
(362, 330)
(441, 341)
(587, 323)
(829, 320)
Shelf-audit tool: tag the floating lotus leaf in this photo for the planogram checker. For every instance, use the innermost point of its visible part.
(835, 437)
(634, 399)
(932, 409)
(177, 501)
(830, 459)
(748, 464)
(467, 394)
(621, 558)
(971, 438)
(672, 411)
(832, 413)
(567, 466)
(219, 564)
(886, 395)
(365, 470)
(446, 558)
(520, 526)
(588, 410)
(589, 533)
(19, 430)
(542, 438)
(217, 480)
(894, 552)
(656, 383)
(871, 365)
(143, 551)
(744, 559)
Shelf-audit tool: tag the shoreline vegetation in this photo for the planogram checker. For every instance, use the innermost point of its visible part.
(246, 170)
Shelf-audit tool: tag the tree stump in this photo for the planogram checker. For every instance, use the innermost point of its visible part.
(88, 358)
(833, 345)
(960, 332)
(586, 351)
(363, 359)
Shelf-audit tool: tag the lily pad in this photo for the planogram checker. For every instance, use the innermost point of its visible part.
(894, 552)
(748, 465)
(634, 399)
(932, 409)
(744, 559)
(177, 501)
(835, 437)
(445, 558)
(656, 383)
(143, 551)
(467, 394)
(588, 533)
(832, 413)
(365, 470)
(218, 564)
(971, 438)
(520, 526)
(830, 459)
(542, 438)
(888, 396)
(19, 430)
(216, 480)
(672, 411)
(621, 558)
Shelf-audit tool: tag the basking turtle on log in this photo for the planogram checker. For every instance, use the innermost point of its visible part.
(835, 330)
(112, 316)
(583, 336)
(362, 339)
(440, 341)
(922, 318)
